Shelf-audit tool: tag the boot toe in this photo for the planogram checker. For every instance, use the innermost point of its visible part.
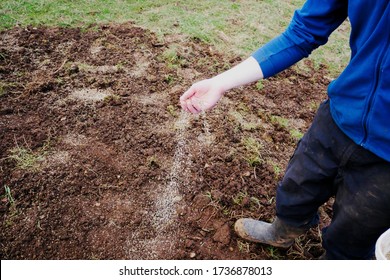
(249, 229)
(240, 228)
(260, 232)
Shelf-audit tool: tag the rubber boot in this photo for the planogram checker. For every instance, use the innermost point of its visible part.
(277, 234)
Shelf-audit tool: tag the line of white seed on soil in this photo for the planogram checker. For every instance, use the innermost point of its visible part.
(170, 195)
(165, 215)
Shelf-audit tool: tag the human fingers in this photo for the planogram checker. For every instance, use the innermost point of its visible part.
(185, 96)
(188, 93)
(183, 105)
(192, 107)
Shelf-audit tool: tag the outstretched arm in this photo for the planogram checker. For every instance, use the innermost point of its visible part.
(309, 28)
(205, 94)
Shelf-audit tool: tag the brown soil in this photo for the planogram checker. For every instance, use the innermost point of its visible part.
(120, 172)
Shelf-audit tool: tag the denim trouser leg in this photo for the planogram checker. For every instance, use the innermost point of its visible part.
(326, 163)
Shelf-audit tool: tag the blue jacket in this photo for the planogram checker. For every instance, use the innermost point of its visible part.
(360, 96)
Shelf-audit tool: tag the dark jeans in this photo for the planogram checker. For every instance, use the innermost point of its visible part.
(327, 163)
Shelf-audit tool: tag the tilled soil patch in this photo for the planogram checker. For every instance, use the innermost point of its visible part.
(97, 161)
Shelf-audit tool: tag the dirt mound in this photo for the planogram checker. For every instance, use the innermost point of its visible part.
(99, 162)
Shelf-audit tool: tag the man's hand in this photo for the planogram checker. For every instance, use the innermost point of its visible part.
(205, 94)
(202, 96)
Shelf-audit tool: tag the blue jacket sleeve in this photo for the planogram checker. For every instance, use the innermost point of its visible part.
(310, 27)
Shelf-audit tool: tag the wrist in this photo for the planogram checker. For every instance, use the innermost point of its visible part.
(220, 83)
(244, 73)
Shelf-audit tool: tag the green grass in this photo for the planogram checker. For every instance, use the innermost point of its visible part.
(8, 195)
(234, 27)
(171, 109)
(253, 151)
(171, 57)
(2, 89)
(295, 133)
(280, 120)
(25, 158)
(13, 212)
(240, 118)
(276, 168)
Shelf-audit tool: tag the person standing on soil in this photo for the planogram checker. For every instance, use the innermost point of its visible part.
(346, 151)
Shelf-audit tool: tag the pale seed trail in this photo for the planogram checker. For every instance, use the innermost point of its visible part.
(180, 172)
(178, 177)
(164, 215)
